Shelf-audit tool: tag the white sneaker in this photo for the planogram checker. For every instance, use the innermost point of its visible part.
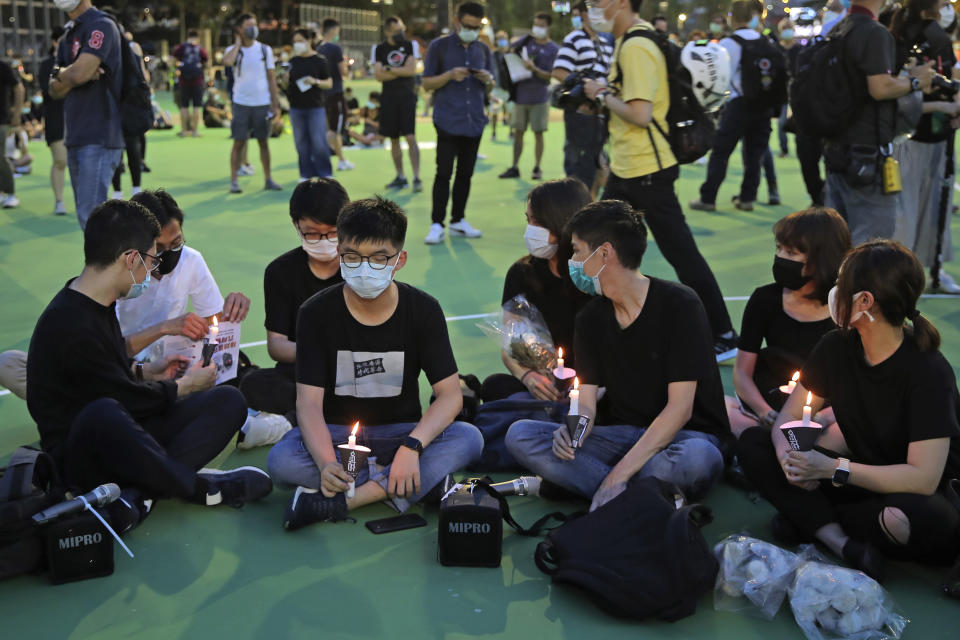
(263, 428)
(463, 228)
(245, 170)
(345, 165)
(117, 195)
(59, 209)
(11, 201)
(135, 190)
(436, 234)
(948, 284)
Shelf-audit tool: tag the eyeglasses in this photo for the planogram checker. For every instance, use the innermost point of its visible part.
(173, 249)
(592, 4)
(313, 238)
(378, 262)
(155, 259)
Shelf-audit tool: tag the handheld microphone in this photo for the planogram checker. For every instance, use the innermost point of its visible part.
(102, 495)
(522, 486)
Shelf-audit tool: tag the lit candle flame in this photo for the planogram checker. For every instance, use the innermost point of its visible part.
(809, 397)
(560, 353)
(356, 426)
(576, 383)
(796, 376)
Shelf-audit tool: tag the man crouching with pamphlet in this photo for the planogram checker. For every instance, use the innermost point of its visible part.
(361, 346)
(648, 342)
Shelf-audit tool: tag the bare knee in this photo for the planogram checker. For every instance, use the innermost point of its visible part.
(895, 525)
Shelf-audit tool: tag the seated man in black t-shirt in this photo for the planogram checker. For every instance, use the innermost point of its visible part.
(288, 282)
(360, 349)
(105, 420)
(649, 343)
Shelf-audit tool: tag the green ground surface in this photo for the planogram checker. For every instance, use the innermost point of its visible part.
(202, 573)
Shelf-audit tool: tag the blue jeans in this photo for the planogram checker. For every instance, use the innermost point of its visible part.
(310, 138)
(737, 123)
(290, 464)
(91, 170)
(693, 460)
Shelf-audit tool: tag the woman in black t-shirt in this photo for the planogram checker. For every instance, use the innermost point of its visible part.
(542, 277)
(876, 482)
(790, 314)
(309, 75)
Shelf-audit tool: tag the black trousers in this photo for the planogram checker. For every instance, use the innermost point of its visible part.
(272, 390)
(809, 150)
(463, 150)
(134, 161)
(654, 195)
(933, 519)
(159, 455)
(739, 122)
(583, 145)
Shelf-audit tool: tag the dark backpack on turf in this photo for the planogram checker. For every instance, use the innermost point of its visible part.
(638, 556)
(191, 64)
(29, 484)
(136, 109)
(824, 99)
(689, 128)
(763, 74)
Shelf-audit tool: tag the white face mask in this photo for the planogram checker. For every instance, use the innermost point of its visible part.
(835, 313)
(538, 242)
(367, 282)
(468, 35)
(324, 251)
(947, 16)
(66, 5)
(598, 21)
(300, 48)
(539, 32)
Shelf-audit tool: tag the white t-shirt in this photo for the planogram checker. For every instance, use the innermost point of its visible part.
(734, 49)
(250, 86)
(190, 281)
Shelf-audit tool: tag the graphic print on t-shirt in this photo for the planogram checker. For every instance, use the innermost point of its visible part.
(366, 374)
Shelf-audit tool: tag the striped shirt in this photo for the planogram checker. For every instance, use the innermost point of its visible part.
(579, 52)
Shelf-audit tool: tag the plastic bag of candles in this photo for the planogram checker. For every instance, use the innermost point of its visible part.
(522, 332)
(830, 603)
(754, 576)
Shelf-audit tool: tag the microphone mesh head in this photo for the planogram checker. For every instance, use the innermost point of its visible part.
(107, 493)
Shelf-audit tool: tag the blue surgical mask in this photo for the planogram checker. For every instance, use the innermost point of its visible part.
(138, 288)
(577, 22)
(787, 34)
(754, 22)
(589, 285)
(503, 43)
(367, 282)
(845, 3)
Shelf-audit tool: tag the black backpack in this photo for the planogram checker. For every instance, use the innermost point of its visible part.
(690, 129)
(639, 556)
(29, 484)
(763, 74)
(134, 101)
(824, 98)
(191, 64)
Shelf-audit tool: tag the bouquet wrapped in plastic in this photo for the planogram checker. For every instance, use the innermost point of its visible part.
(522, 332)
(754, 576)
(831, 602)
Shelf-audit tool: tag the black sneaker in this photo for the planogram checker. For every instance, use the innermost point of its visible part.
(127, 511)
(512, 172)
(236, 486)
(398, 183)
(145, 168)
(725, 346)
(417, 185)
(774, 199)
(309, 506)
(786, 533)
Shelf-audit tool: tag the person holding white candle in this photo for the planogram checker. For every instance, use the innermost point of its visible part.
(876, 484)
(648, 341)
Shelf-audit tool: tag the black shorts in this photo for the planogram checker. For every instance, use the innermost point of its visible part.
(398, 115)
(336, 108)
(191, 96)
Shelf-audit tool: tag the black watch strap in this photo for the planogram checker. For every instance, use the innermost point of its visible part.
(413, 443)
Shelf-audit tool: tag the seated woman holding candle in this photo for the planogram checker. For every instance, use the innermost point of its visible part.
(542, 278)
(361, 346)
(790, 314)
(876, 482)
(649, 343)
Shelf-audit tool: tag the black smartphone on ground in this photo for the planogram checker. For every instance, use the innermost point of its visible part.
(397, 523)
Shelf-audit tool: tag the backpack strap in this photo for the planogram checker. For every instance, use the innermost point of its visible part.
(17, 481)
(537, 526)
(649, 35)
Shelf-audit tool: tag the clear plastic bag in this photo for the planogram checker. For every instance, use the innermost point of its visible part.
(833, 603)
(522, 332)
(754, 576)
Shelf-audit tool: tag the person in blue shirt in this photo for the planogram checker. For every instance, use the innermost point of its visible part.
(88, 77)
(459, 70)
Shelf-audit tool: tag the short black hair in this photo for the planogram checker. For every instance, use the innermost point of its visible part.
(474, 9)
(635, 5)
(374, 95)
(329, 23)
(161, 204)
(612, 221)
(318, 199)
(543, 15)
(659, 18)
(373, 219)
(308, 34)
(117, 226)
(57, 32)
(390, 21)
(243, 18)
(193, 33)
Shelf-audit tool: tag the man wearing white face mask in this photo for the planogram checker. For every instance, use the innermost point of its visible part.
(361, 347)
(288, 282)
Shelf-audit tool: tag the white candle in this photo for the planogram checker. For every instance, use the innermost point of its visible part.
(214, 329)
(560, 359)
(807, 409)
(793, 382)
(352, 439)
(575, 398)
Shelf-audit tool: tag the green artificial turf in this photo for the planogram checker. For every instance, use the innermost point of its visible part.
(201, 573)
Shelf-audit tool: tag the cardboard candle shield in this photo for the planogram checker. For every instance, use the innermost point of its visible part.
(353, 458)
(800, 436)
(576, 427)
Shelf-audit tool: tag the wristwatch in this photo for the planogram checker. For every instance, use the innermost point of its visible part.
(414, 444)
(602, 97)
(842, 473)
(55, 74)
(914, 83)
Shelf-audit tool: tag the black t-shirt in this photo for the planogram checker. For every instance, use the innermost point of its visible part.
(670, 341)
(372, 374)
(288, 282)
(909, 397)
(558, 304)
(78, 355)
(353, 103)
(332, 52)
(301, 67)
(937, 46)
(8, 80)
(395, 56)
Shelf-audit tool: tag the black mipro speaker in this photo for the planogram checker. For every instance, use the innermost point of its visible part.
(470, 533)
(78, 547)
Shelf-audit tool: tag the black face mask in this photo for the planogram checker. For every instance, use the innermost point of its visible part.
(169, 260)
(789, 273)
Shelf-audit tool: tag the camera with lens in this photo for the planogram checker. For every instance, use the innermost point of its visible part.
(944, 87)
(570, 94)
